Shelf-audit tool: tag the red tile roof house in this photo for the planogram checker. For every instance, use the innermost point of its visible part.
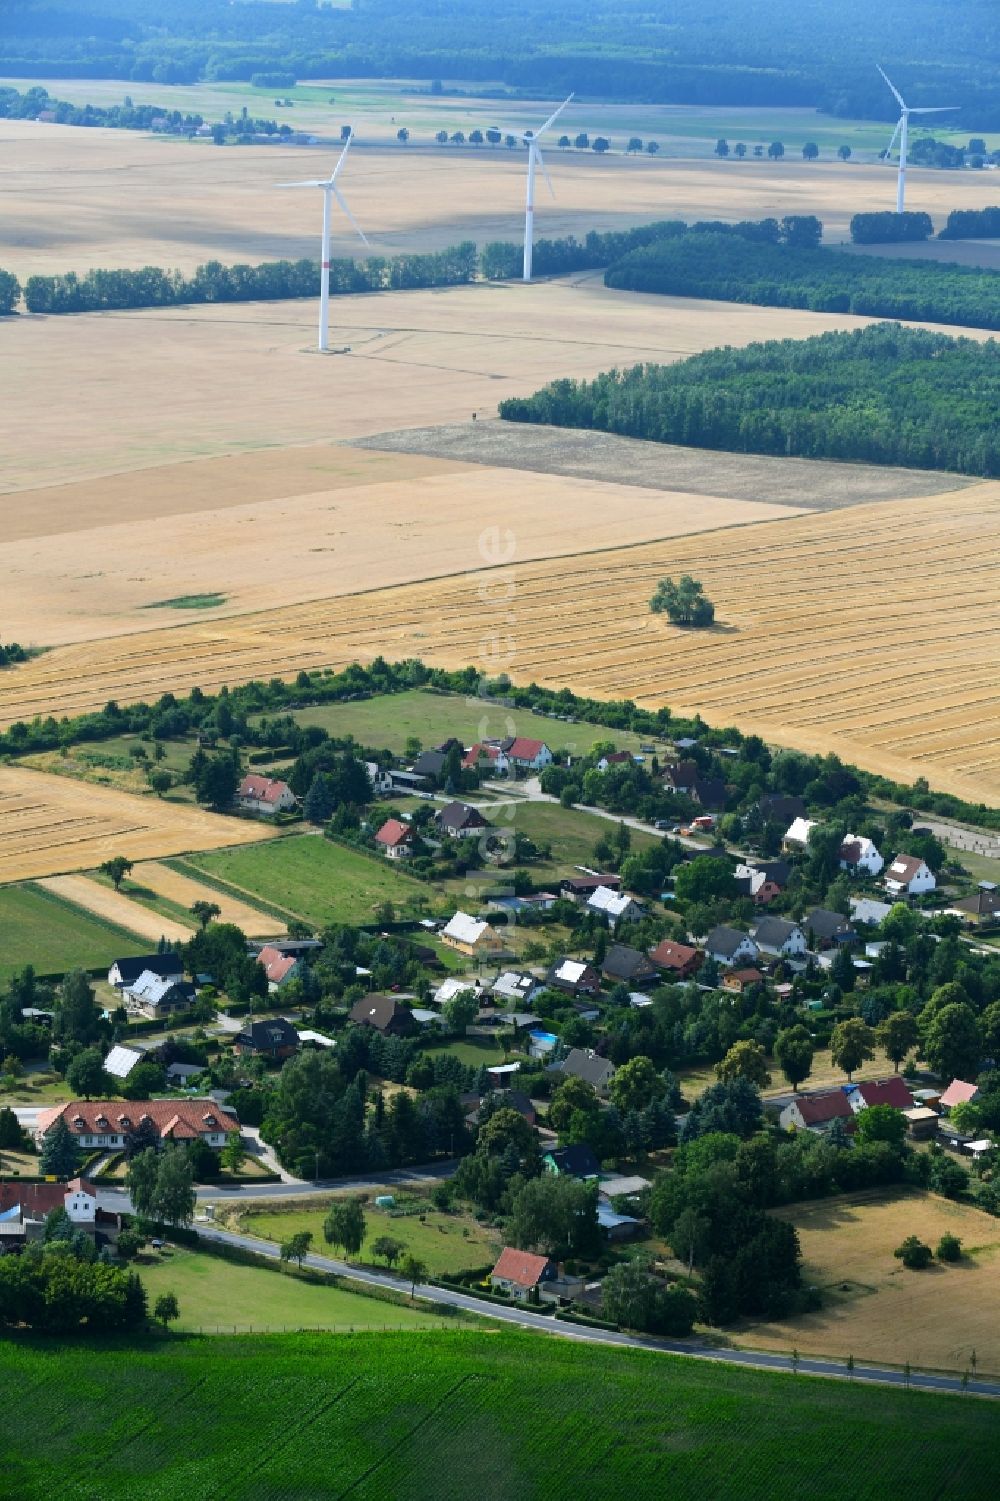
(24, 1206)
(494, 760)
(816, 1112)
(106, 1123)
(677, 960)
(958, 1093)
(518, 1274)
(278, 967)
(260, 794)
(526, 755)
(396, 839)
(881, 1092)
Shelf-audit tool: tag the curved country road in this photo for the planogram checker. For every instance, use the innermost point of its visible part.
(523, 1318)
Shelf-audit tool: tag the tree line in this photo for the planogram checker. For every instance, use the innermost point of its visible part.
(722, 267)
(929, 400)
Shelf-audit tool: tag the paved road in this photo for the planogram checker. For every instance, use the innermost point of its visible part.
(120, 1203)
(524, 1319)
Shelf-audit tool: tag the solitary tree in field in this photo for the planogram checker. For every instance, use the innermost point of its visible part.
(165, 1309)
(851, 1043)
(414, 1270)
(116, 869)
(793, 1049)
(684, 603)
(564, 142)
(402, 135)
(844, 152)
(810, 151)
(740, 150)
(204, 912)
(722, 147)
(345, 1226)
(388, 1248)
(296, 1248)
(160, 781)
(775, 151)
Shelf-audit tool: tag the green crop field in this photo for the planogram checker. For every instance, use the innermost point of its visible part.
(53, 935)
(216, 1294)
(446, 1243)
(311, 878)
(388, 722)
(502, 1416)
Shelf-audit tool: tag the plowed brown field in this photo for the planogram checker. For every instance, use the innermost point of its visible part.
(872, 632)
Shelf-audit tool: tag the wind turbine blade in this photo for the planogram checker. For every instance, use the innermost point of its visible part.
(892, 143)
(343, 157)
(899, 97)
(343, 204)
(939, 109)
(552, 118)
(310, 182)
(545, 171)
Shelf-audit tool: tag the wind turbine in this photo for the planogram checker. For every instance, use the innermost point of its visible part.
(531, 139)
(330, 191)
(903, 132)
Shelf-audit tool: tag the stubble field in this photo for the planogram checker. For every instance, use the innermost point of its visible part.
(52, 824)
(877, 1310)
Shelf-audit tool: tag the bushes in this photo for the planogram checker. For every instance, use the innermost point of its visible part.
(949, 1248)
(887, 228)
(913, 1254)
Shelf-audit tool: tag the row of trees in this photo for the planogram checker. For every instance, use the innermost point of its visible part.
(775, 151)
(829, 281)
(928, 400)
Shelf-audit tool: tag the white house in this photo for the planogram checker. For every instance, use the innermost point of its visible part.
(774, 935)
(797, 833)
(860, 857)
(614, 906)
(909, 876)
(730, 946)
(381, 780)
(526, 755)
(107, 1123)
(153, 996)
(260, 794)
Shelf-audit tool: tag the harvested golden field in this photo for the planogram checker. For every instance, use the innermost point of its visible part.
(382, 518)
(185, 891)
(877, 1310)
(145, 200)
(178, 384)
(49, 825)
(117, 907)
(872, 632)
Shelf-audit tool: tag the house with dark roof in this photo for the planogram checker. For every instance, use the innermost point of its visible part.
(826, 929)
(982, 909)
(429, 765)
(572, 1162)
(519, 1274)
(624, 964)
(461, 821)
(584, 1063)
(681, 776)
(273, 1038)
(126, 971)
(384, 1013)
(779, 807)
(678, 961)
(581, 888)
(709, 793)
(778, 937)
(574, 976)
(153, 996)
(730, 946)
(908, 875)
(816, 1112)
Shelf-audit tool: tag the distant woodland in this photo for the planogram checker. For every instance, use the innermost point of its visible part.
(884, 395)
(727, 268)
(742, 53)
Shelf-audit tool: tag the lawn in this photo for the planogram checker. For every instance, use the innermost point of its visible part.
(571, 834)
(53, 935)
(447, 1243)
(824, 1075)
(874, 1308)
(216, 1295)
(310, 878)
(387, 722)
(472, 1050)
(463, 1416)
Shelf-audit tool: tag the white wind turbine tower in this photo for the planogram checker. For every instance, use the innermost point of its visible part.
(903, 132)
(330, 191)
(531, 139)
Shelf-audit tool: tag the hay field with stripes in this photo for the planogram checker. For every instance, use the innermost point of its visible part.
(872, 632)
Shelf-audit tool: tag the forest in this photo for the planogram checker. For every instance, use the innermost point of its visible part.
(728, 269)
(884, 395)
(741, 54)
